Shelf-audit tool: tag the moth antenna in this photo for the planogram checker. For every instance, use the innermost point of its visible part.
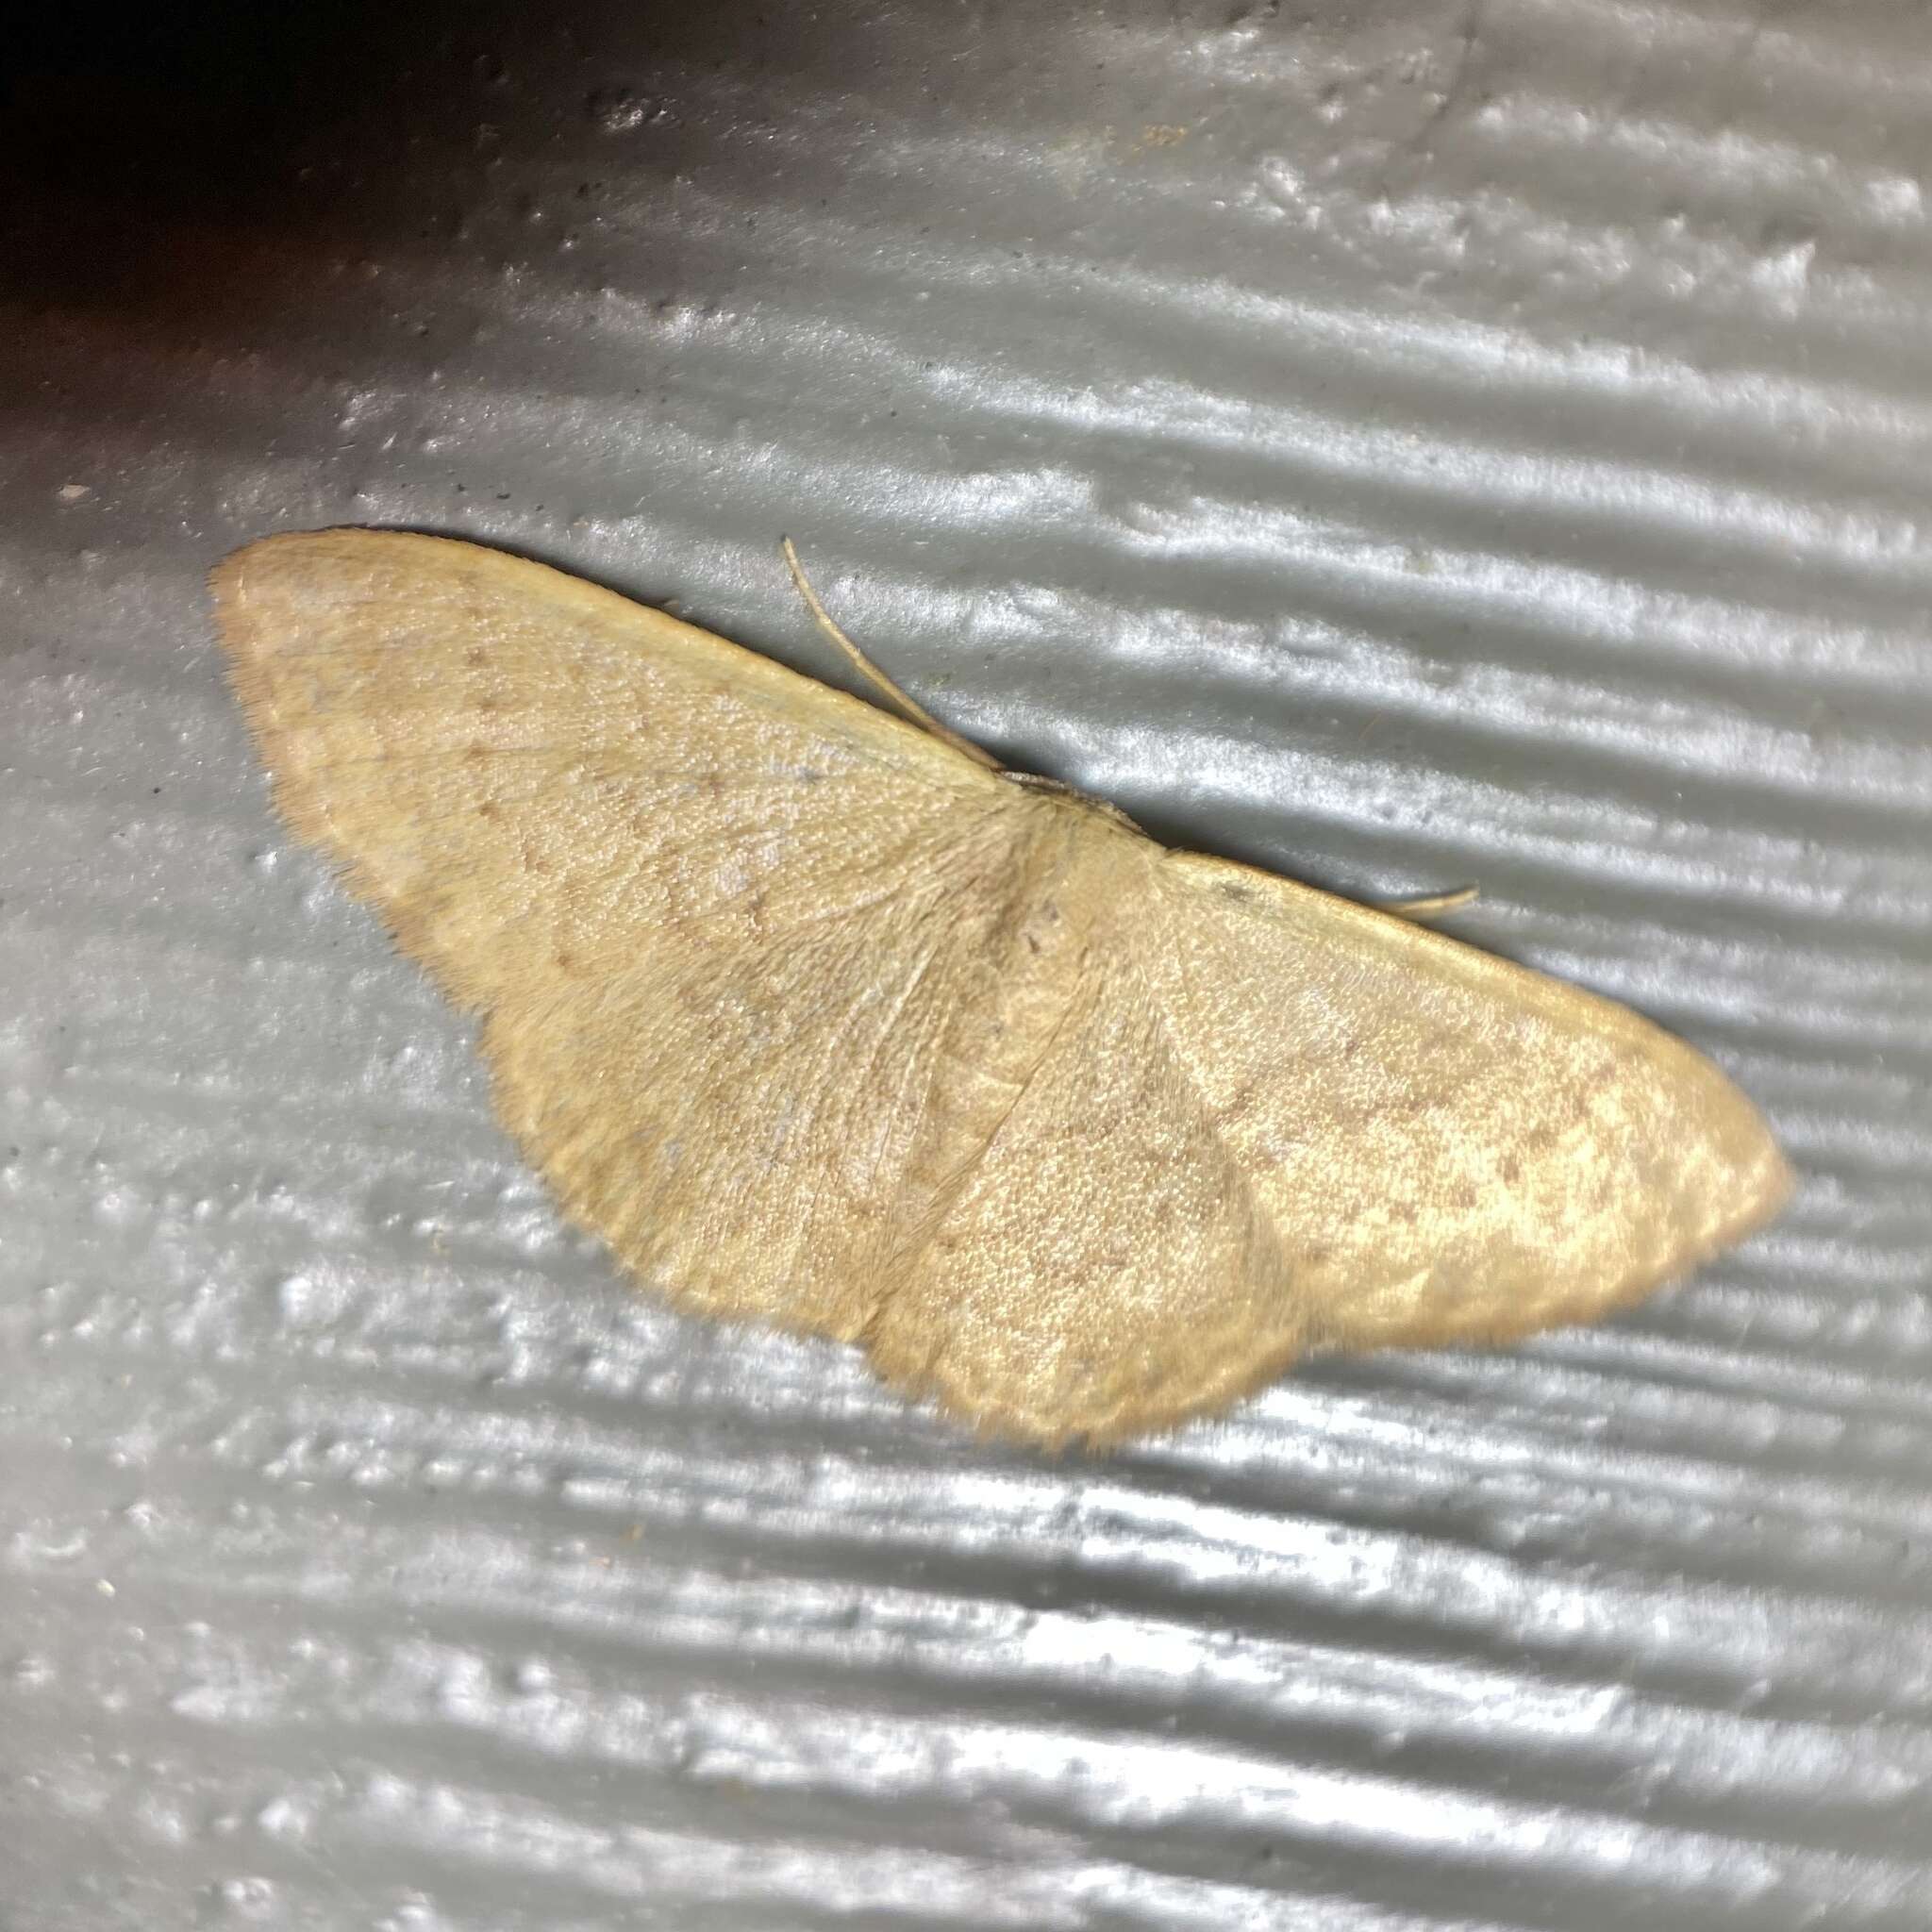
(1429, 905)
(904, 700)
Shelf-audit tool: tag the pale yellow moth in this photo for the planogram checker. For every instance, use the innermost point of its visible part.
(819, 1018)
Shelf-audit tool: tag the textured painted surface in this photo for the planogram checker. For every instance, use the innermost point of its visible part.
(1414, 445)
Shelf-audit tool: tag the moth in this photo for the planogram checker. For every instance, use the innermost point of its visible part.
(820, 1017)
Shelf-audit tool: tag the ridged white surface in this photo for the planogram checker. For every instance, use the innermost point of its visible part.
(1404, 445)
